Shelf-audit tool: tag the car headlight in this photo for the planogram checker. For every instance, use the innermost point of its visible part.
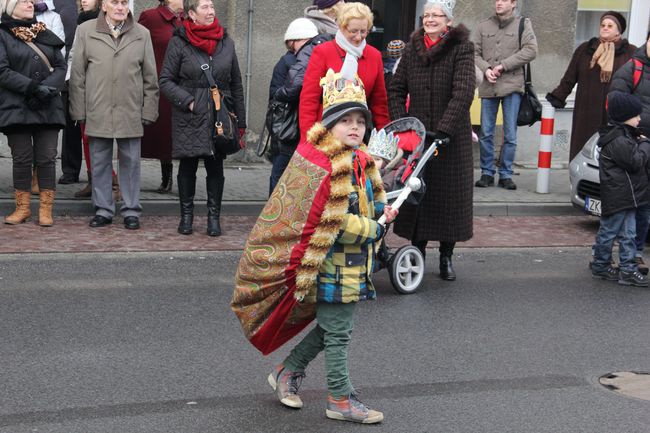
(591, 150)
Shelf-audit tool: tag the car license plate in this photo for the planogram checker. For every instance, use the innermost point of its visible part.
(592, 206)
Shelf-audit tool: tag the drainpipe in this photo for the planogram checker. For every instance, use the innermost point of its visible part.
(249, 58)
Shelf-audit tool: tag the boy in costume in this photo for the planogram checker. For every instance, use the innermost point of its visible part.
(311, 253)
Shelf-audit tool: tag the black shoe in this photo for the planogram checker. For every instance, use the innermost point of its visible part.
(67, 179)
(485, 181)
(185, 225)
(641, 266)
(131, 223)
(214, 226)
(100, 221)
(610, 273)
(634, 278)
(507, 184)
(446, 269)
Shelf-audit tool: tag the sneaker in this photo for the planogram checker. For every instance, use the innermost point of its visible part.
(610, 274)
(351, 409)
(286, 383)
(634, 278)
(640, 264)
(485, 181)
(507, 184)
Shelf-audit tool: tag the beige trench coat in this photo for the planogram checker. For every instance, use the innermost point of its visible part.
(113, 85)
(497, 43)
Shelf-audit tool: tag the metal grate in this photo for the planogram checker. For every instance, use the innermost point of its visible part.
(587, 188)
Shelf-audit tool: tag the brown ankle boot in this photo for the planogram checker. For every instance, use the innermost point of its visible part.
(45, 208)
(85, 192)
(116, 189)
(22, 211)
(35, 189)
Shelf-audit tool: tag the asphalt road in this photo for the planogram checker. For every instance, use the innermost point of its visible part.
(134, 343)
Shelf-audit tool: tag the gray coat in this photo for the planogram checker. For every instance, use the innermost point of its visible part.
(496, 43)
(113, 86)
(182, 81)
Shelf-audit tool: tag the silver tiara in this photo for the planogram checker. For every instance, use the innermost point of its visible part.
(449, 4)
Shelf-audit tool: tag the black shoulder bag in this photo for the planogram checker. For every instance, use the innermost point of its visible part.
(530, 110)
(225, 135)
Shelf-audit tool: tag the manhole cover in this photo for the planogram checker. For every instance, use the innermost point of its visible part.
(628, 383)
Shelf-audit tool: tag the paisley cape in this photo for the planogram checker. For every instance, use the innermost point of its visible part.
(275, 284)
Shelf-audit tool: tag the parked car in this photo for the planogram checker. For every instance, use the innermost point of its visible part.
(584, 178)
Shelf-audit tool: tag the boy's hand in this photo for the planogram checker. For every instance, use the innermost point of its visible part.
(390, 214)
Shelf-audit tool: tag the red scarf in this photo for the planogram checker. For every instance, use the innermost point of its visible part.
(428, 42)
(204, 37)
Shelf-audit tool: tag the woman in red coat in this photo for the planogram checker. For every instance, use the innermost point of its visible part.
(157, 139)
(349, 54)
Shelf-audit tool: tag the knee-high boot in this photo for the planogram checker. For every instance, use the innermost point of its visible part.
(186, 190)
(214, 187)
(166, 169)
(446, 268)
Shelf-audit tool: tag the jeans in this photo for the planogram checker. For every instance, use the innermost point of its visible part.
(622, 225)
(642, 224)
(489, 110)
(332, 335)
(280, 162)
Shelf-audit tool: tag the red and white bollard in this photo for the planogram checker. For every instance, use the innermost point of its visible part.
(545, 149)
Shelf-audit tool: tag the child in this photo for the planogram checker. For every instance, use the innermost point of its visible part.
(385, 151)
(343, 275)
(624, 187)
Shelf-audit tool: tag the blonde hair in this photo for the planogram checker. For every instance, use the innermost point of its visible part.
(351, 11)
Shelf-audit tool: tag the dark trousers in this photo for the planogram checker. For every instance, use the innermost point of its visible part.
(213, 167)
(446, 248)
(71, 144)
(34, 147)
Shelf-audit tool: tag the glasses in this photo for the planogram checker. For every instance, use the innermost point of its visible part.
(357, 32)
(427, 16)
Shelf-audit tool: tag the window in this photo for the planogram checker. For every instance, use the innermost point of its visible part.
(589, 13)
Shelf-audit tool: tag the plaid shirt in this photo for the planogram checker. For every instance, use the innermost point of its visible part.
(344, 276)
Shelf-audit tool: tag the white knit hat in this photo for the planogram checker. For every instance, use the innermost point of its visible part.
(447, 6)
(8, 6)
(300, 28)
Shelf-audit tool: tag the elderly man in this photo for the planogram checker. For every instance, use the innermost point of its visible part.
(114, 90)
(501, 56)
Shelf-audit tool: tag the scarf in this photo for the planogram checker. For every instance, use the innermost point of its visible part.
(353, 53)
(204, 37)
(604, 57)
(87, 16)
(28, 34)
(360, 161)
(429, 43)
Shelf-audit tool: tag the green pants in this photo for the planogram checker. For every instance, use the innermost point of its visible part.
(331, 334)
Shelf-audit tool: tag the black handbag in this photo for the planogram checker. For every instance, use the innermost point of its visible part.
(282, 121)
(225, 135)
(530, 109)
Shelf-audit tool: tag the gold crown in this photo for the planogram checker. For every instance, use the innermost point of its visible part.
(338, 90)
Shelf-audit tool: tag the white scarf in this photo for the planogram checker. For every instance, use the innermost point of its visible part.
(353, 53)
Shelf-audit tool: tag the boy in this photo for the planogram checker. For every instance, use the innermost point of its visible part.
(343, 274)
(624, 187)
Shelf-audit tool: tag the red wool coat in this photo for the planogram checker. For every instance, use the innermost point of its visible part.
(330, 55)
(157, 139)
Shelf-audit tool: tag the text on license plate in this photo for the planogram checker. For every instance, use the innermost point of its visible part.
(592, 206)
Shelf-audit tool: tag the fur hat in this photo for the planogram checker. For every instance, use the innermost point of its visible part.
(394, 48)
(300, 28)
(447, 6)
(324, 4)
(623, 106)
(8, 6)
(617, 18)
(341, 96)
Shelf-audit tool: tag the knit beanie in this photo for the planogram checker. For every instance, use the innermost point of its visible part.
(617, 18)
(300, 28)
(394, 48)
(324, 4)
(8, 6)
(447, 6)
(623, 106)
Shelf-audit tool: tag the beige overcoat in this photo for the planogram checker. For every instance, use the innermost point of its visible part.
(113, 82)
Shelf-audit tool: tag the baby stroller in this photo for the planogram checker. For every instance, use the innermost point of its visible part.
(406, 265)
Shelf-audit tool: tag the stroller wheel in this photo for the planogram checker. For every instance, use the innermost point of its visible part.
(406, 269)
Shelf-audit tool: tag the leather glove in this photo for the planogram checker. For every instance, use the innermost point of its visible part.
(555, 102)
(45, 93)
(439, 135)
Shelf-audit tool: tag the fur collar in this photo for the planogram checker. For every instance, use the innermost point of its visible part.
(456, 35)
(334, 211)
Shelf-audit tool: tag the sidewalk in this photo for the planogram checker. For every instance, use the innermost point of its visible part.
(246, 191)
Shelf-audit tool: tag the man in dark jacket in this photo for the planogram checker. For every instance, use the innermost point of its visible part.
(624, 187)
(634, 78)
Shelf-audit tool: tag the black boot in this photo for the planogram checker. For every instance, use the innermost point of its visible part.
(214, 188)
(446, 269)
(166, 169)
(186, 189)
